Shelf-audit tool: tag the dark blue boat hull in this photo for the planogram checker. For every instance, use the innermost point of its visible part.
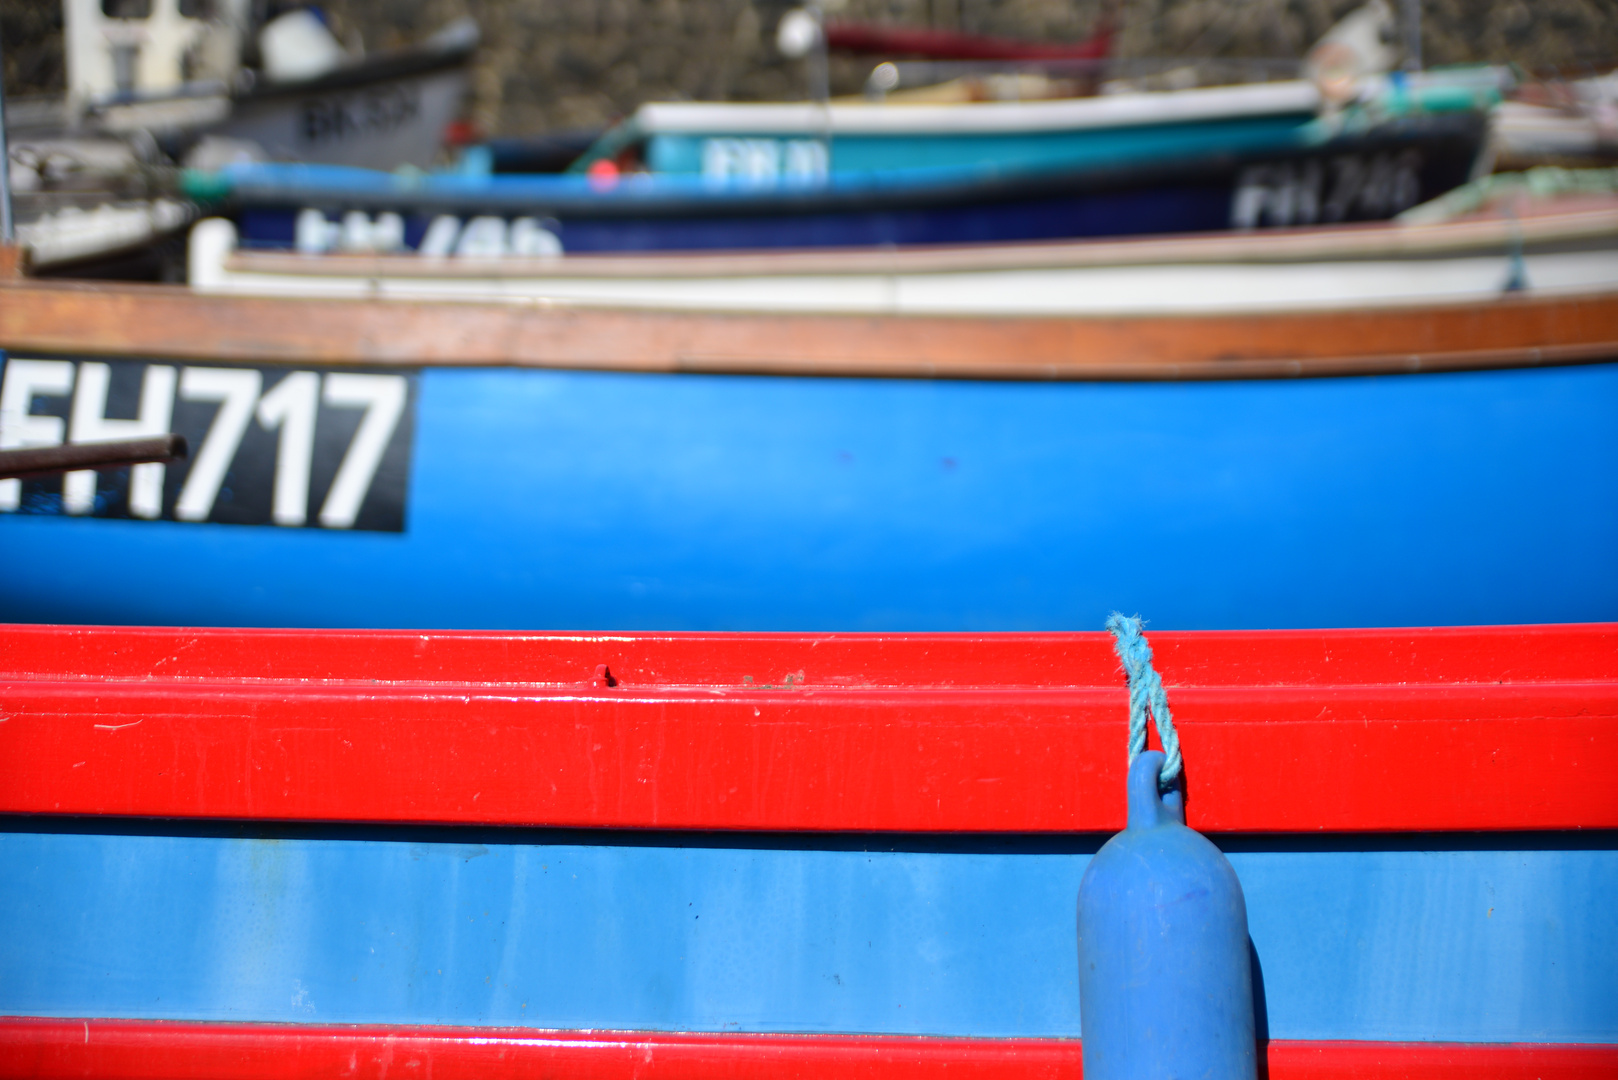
(1187, 208)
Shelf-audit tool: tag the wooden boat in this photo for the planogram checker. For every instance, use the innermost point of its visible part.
(767, 144)
(420, 464)
(154, 79)
(1554, 246)
(680, 177)
(74, 240)
(383, 112)
(1559, 122)
(268, 854)
(175, 70)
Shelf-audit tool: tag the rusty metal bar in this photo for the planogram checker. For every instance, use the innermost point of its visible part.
(48, 460)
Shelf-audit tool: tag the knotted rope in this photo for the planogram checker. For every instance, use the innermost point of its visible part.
(1145, 692)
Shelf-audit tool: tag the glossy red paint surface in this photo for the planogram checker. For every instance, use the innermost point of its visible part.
(1346, 730)
(149, 1050)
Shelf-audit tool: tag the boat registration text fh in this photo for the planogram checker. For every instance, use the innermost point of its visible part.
(269, 446)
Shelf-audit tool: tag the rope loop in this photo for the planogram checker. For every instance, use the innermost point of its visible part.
(1145, 693)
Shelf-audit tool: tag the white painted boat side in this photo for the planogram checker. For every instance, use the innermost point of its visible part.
(1588, 220)
(72, 234)
(1063, 291)
(994, 117)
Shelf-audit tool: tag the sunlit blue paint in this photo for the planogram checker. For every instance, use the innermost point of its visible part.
(576, 500)
(1355, 941)
(1166, 968)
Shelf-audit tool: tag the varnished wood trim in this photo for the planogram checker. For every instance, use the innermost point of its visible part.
(173, 322)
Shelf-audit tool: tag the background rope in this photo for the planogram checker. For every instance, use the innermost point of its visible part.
(1145, 692)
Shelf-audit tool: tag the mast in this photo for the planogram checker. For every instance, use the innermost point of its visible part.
(7, 233)
(1412, 20)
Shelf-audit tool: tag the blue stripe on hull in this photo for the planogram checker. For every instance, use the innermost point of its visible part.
(1391, 944)
(571, 500)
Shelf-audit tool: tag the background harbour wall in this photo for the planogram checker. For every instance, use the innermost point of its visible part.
(556, 65)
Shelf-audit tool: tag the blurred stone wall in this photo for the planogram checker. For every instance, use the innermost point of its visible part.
(554, 65)
(31, 45)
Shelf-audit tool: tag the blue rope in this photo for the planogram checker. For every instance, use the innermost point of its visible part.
(1145, 692)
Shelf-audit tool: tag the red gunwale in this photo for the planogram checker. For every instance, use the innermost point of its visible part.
(148, 1050)
(1480, 728)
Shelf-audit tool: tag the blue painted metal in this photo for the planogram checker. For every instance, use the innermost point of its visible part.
(574, 500)
(1165, 983)
(1480, 939)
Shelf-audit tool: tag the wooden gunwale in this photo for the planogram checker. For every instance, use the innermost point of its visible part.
(170, 321)
(1478, 237)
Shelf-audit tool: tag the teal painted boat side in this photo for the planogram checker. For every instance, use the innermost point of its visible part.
(712, 153)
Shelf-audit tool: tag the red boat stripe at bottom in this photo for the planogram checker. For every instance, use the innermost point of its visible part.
(146, 1050)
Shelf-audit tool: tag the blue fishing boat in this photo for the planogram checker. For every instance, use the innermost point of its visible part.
(421, 464)
(784, 143)
(683, 177)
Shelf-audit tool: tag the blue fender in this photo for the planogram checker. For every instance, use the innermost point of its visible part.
(1165, 980)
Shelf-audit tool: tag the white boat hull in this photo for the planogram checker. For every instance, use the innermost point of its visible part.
(1374, 265)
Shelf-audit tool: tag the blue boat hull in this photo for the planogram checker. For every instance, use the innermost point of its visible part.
(1177, 208)
(1363, 175)
(1444, 939)
(577, 500)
